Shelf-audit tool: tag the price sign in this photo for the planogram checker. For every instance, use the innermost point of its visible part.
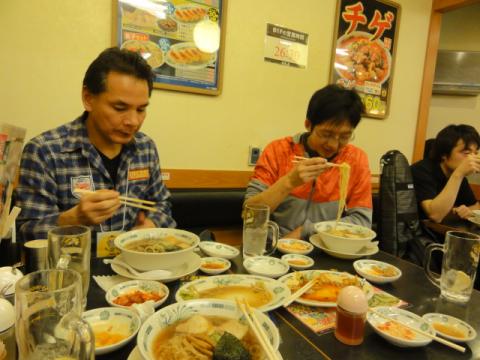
(286, 46)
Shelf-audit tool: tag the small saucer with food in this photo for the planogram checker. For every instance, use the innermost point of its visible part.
(450, 327)
(297, 261)
(214, 265)
(294, 246)
(127, 293)
(378, 272)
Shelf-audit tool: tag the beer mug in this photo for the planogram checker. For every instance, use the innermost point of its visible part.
(255, 231)
(459, 266)
(48, 324)
(69, 248)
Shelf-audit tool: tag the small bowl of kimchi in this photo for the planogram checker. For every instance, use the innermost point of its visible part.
(127, 293)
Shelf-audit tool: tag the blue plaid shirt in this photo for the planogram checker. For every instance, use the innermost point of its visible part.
(60, 160)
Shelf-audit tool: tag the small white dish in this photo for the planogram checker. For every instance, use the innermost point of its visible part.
(368, 250)
(410, 338)
(378, 272)
(129, 287)
(297, 261)
(8, 279)
(214, 265)
(266, 266)
(450, 327)
(110, 321)
(216, 249)
(294, 246)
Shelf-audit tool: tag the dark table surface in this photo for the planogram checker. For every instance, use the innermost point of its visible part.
(299, 342)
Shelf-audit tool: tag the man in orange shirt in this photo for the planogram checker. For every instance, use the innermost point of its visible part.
(302, 193)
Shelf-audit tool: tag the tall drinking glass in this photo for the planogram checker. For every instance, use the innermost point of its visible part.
(459, 266)
(255, 231)
(48, 322)
(69, 248)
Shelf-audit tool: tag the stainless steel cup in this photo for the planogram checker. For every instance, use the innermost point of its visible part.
(36, 255)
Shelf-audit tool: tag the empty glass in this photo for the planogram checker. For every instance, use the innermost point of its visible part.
(48, 324)
(255, 231)
(69, 248)
(459, 266)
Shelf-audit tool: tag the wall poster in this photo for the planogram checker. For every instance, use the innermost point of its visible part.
(363, 53)
(182, 40)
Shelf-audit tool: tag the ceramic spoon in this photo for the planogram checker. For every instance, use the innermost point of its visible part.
(150, 275)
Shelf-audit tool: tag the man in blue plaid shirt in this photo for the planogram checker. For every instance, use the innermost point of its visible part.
(102, 152)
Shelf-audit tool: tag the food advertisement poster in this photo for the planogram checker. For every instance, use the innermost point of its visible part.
(286, 46)
(364, 51)
(182, 40)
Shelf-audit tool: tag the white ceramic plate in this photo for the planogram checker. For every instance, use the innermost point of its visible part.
(216, 249)
(294, 246)
(440, 321)
(177, 272)
(135, 354)
(137, 285)
(371, 249)
(207, 262)
(114, 321)
(266, 266)
(279, 291)
(297, 261)
(405, 317)
(291, 279)
(184, 310)
(372, 271)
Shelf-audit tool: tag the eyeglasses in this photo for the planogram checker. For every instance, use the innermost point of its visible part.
(327, 136)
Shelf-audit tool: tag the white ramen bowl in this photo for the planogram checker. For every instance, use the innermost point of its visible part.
(151, 261)
(341, 243)
(171, 314)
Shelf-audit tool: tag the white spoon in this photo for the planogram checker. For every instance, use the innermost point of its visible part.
(150, 275)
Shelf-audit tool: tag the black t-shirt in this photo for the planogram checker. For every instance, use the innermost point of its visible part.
(429, 180)
(111, 165)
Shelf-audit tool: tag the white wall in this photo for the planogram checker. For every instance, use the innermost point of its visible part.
(48, 44)
(460, 31)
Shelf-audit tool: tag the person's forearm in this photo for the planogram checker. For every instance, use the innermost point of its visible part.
(273, 195)
(443, 203)
(69, 217)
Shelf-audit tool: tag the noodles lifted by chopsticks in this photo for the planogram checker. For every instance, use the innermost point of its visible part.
(344, 169)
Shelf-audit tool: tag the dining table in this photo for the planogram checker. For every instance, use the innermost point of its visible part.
(300, 342)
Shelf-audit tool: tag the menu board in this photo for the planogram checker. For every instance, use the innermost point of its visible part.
(364, 51)
(182, 40)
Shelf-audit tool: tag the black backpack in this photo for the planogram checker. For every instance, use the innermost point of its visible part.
(398, 226)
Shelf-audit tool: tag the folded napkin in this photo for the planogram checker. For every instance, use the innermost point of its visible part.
(107, 281)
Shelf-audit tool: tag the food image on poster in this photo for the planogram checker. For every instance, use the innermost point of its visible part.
(188, 56)
(189, 13)
(168, 24)
(360, 59)
(149, 51)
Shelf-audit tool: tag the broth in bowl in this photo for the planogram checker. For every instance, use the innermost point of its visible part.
(159, 245)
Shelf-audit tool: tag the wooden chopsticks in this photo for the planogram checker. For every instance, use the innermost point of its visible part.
(257, 329)
(133, 202)
(421, 332)
(297, 159)
(300, 292)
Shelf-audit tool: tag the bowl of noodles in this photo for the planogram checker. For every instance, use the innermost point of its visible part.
(157, 248)
(344, 237)
(204, 329)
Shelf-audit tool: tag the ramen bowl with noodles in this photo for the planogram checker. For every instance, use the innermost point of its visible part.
(344, 237)
(157, 248)
(194, 330)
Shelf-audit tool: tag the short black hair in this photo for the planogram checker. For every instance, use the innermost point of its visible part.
(448, 138)
(116, 60)
(335, 103)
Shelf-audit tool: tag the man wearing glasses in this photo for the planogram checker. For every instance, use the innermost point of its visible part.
(304, 192)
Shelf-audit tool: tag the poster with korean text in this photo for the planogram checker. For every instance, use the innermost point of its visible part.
(182, 40)
(364, 51)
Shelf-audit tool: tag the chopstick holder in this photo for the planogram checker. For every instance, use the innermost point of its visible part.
(421, 332)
